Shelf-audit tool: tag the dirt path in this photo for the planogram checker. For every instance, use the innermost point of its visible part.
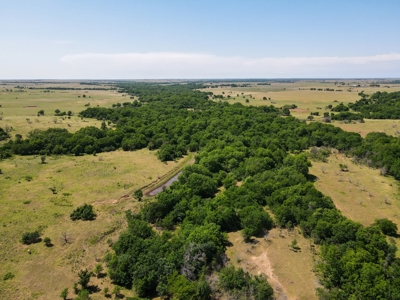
(262, 264)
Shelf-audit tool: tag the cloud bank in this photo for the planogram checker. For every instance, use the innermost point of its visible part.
(191, 65)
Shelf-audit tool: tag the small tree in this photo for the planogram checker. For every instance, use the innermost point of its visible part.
(83, 295)
(84, 278)
(43, 159)
(138, 194)
(47, 241)
(98, 269)
(105, 291)
(64, 293)
(116, 291)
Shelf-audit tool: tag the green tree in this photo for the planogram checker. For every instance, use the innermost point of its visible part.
(387, 226)
(47, 241)
(84, 212)
(98, 269)
(138, 194)
(116, 291)
(30, 237)
(84, 278)
(64, 293)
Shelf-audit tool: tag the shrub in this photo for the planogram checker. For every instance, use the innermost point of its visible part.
(84, 212)
(8, 276)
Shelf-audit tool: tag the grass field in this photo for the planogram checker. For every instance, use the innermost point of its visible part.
(107, 181)
(361, 194)
(19, 107)
(289, 273)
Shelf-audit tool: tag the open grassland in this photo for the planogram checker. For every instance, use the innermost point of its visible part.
(289, 273)
(36, 196)
(19, 107)
(307, 101)
(361, 194)
(390, 127)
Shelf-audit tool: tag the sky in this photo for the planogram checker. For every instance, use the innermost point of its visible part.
(181, 39)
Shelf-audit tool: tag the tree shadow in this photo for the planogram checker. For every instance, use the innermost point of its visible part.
(312, 178)
(227, 243)
(93, 289)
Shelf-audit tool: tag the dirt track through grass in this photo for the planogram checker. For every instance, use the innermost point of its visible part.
(361, 194)
(289, 273)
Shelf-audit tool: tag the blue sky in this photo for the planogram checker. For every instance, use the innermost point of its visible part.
(124, 39)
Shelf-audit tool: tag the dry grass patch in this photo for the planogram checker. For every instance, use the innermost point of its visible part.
(359, 193)
(289, 273)
(390, 127)
(36, 196)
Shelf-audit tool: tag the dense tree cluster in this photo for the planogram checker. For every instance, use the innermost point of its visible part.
(347, 115)
(380, 105)
(381, 151)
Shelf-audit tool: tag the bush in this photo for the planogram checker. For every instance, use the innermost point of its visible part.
(84, 212)
(30, 237)
(8, 276)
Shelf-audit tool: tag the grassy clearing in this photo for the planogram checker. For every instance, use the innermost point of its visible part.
(289, 273)
(107, 181)
(361, 194)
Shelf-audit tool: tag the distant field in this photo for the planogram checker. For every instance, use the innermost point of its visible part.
(107, 181)
(308, 101)
(289, 273)
(390, 127)
(19, 107)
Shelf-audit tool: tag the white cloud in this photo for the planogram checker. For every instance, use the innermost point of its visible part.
(192, 65)
(62, 42)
